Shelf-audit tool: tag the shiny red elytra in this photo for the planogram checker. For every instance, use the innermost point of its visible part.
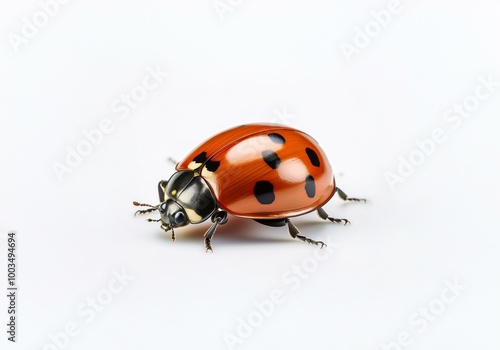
(264, 172)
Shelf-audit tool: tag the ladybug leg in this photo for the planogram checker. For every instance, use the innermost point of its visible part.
(294, 232)
(218, 218)
(322, 214)
(344, 197)
(165, 228)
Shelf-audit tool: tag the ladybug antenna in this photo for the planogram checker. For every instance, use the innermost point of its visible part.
(153, 208)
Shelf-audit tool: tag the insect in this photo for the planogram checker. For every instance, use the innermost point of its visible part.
(265, 172)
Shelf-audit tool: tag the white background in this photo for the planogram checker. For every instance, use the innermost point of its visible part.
(262, 61)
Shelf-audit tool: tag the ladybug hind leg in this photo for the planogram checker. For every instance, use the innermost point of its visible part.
(294, 232)
(292, 229)
(323, 214)
(346, 198)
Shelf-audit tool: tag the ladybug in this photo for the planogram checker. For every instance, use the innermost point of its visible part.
(265, 172)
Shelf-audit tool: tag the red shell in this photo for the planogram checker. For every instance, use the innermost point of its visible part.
(264, 171)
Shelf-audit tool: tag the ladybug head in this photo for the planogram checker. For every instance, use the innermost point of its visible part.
(186, 199)
(172, 215)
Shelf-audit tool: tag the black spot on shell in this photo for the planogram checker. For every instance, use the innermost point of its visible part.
(200, 158)
(277, 138)
(212, 165)
(313, 157)
(310, 186)
(263, 191)
(271, 159)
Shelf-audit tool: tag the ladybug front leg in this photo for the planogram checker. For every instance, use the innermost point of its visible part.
(294, 232)
(218, 218)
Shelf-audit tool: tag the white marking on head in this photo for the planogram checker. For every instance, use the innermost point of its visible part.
(192, 216)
